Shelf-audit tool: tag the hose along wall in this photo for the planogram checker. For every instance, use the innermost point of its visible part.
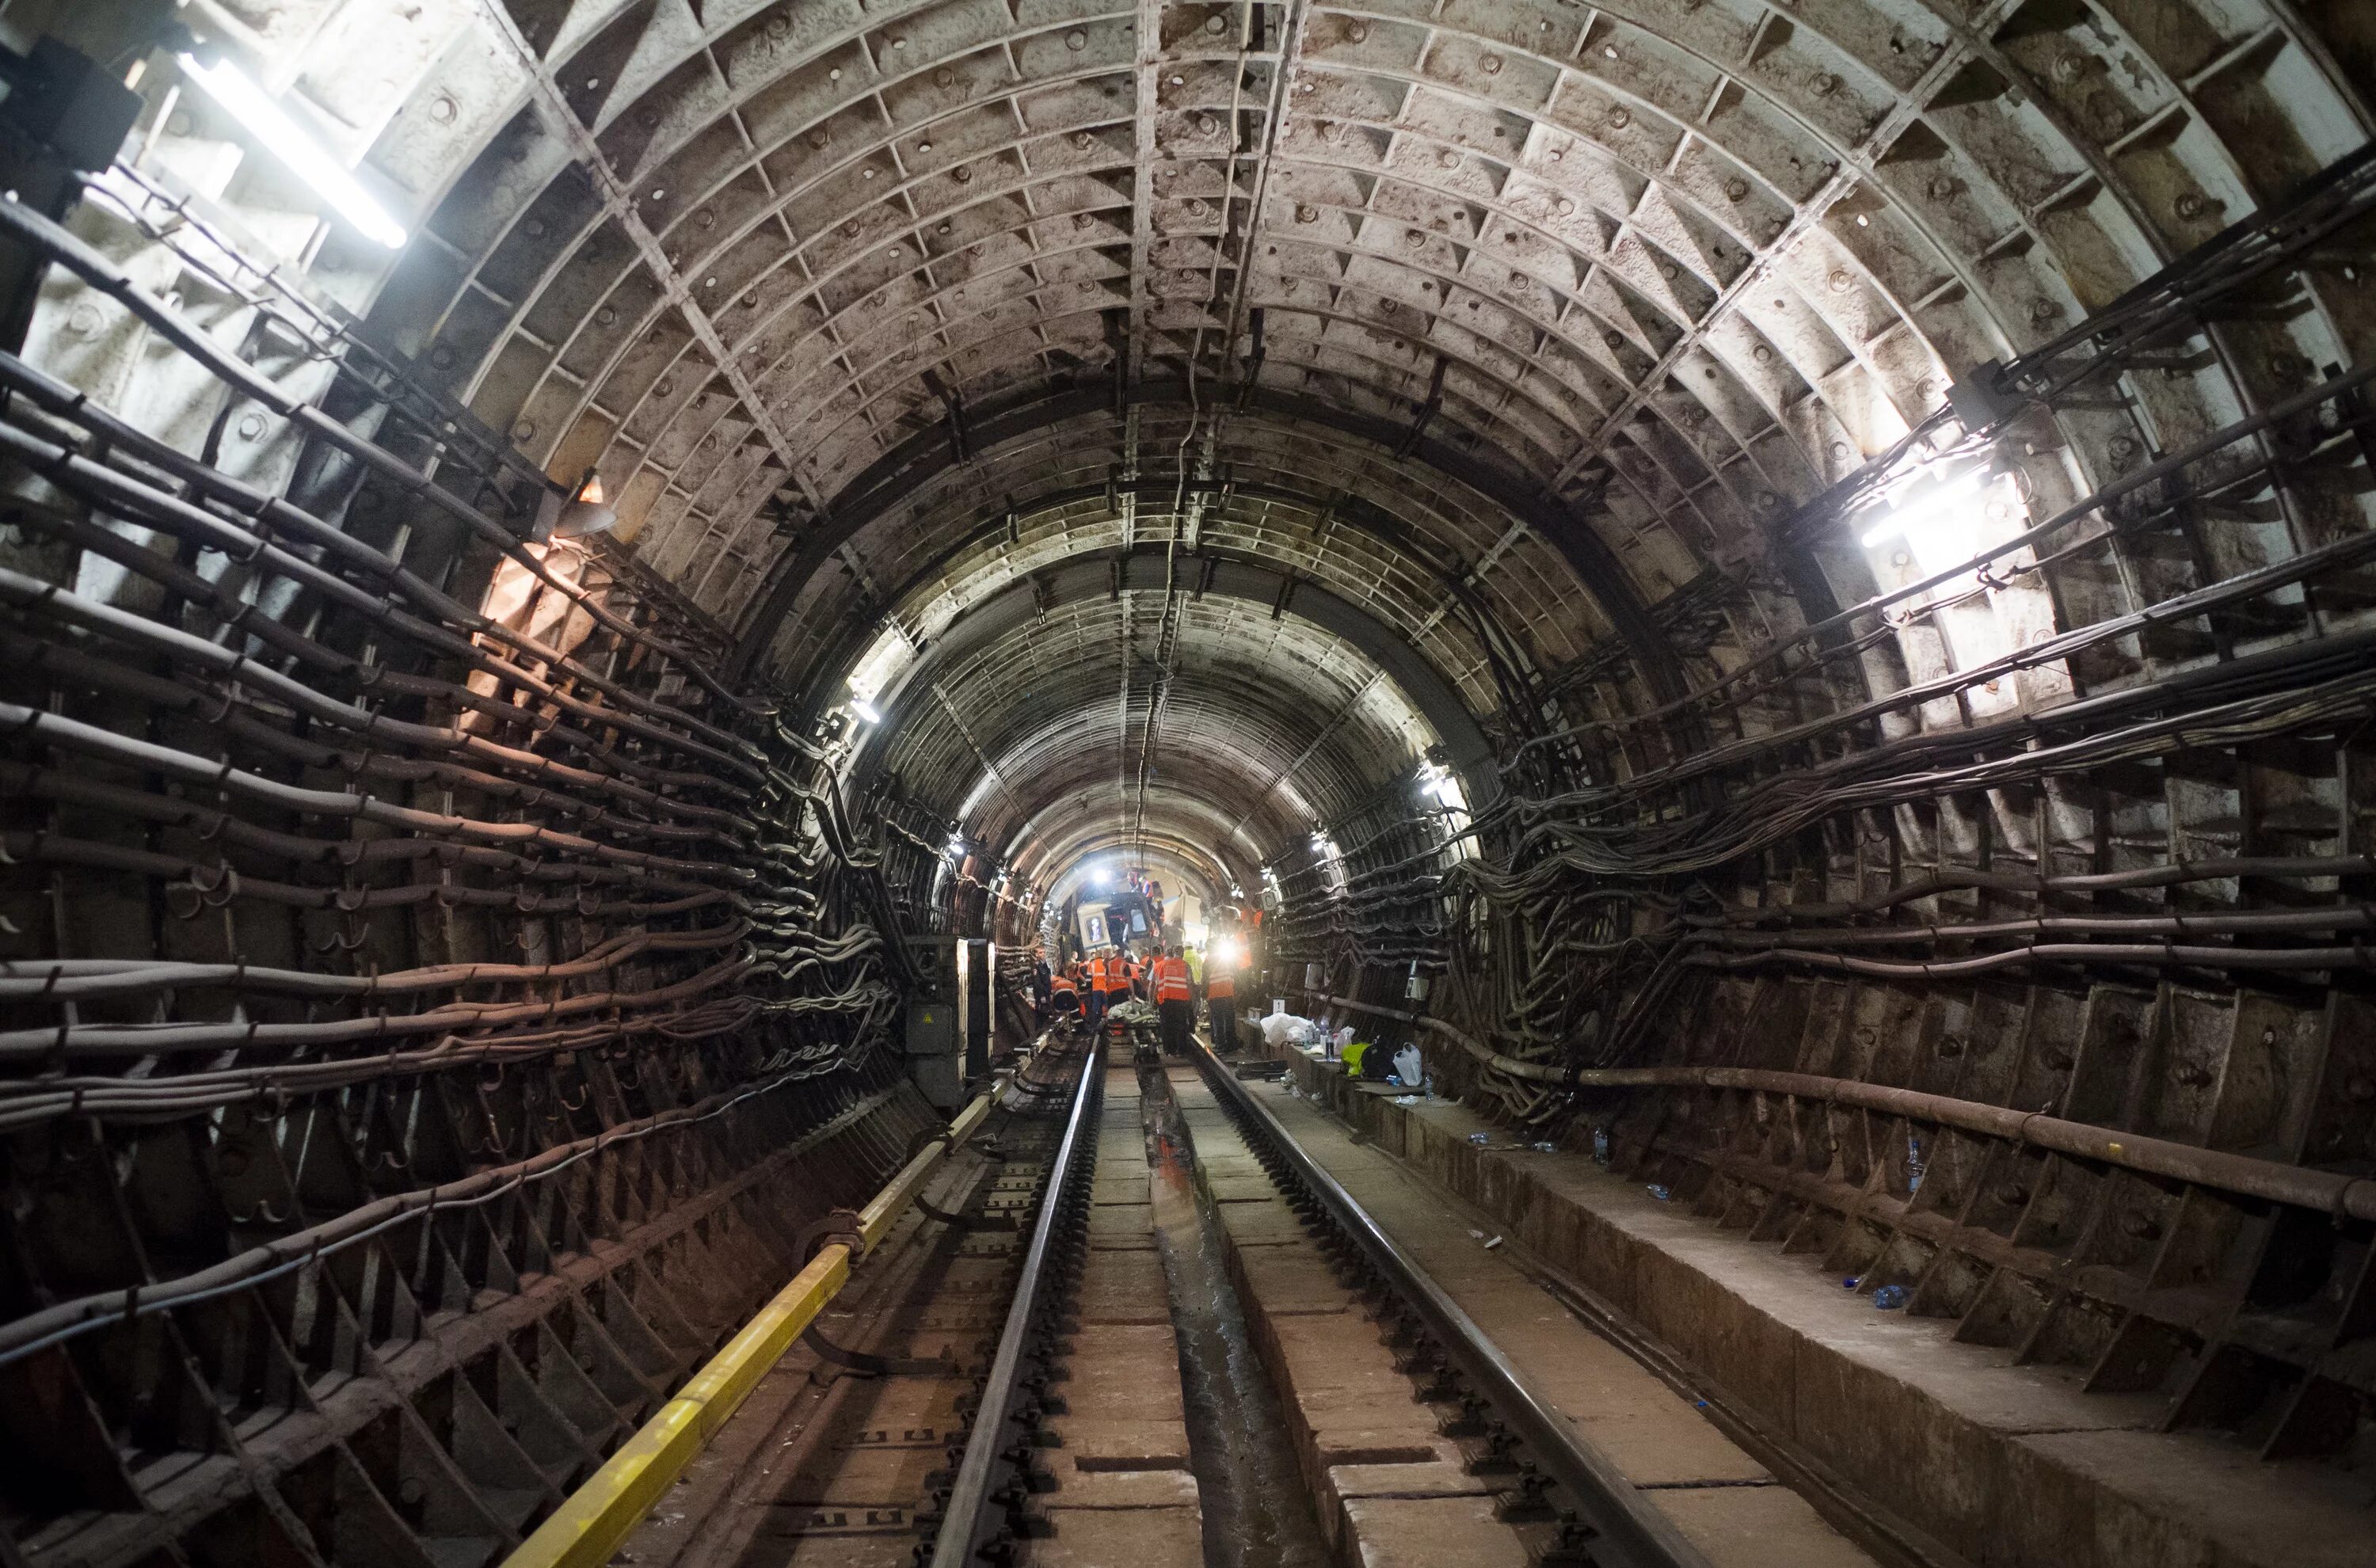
(419, 969)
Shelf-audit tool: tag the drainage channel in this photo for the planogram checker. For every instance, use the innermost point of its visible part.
(1237, 1428)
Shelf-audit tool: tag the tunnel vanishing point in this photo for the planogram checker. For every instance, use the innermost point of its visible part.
(1772, 602)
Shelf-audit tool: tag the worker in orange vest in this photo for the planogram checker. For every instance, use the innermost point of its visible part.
(1221, 992)
(1063, 998)
(1169, 978)
(1095, 999)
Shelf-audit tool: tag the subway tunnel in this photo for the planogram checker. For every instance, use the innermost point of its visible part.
(1769, 605)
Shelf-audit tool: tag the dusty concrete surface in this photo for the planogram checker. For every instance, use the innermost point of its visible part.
(2010, 1464)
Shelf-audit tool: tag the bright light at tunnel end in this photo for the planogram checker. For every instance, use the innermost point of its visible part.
(285, 139)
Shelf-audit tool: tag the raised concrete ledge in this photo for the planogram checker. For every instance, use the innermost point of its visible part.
(2012, 1465)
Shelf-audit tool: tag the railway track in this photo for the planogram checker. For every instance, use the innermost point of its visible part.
(1140, 1324)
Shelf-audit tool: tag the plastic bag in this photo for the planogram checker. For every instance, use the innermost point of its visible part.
(1281, 1029)
(1407, 1066)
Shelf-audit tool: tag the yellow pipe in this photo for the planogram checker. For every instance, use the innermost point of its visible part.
(596, 1519)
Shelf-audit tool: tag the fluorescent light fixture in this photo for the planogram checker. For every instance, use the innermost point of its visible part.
(1924, 506)
(1439, 782)
(864, 710)
(285, 139)
(1096, 876)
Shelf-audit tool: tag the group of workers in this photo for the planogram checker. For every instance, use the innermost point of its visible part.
(1166, 979)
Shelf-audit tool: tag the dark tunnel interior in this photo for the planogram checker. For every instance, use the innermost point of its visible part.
(1785, 589)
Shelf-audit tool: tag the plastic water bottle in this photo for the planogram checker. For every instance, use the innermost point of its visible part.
(1663, 1195)
(1480, 1139)
(1889, 1298)
(1600, 1146)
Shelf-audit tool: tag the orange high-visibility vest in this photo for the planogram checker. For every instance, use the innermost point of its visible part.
(1061, 984)
(1220, 985)
(1171, 979)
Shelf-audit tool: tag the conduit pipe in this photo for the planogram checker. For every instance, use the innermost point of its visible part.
(2162, 467)
(85, 979)
(71, 734)
(2285, 960)
(2334, 1192)
(39, 234)
(65, 1320)
(32, 1101)
(80, 1039)
(35, 597)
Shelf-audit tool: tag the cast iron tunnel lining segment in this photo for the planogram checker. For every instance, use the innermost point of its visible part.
(1781, 588)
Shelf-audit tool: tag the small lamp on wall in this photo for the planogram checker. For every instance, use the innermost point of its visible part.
(584, 513)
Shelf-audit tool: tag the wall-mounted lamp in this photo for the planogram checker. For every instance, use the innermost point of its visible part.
(1436, 780)
(585, 513)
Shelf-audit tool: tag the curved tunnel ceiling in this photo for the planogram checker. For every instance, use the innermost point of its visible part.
(1496, 319)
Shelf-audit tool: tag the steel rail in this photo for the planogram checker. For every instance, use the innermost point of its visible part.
(1628, 1532)
(596, 1519)
(966, 1517)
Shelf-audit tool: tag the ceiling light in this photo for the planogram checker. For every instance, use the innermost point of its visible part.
(1922, 507)
(270, 125)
